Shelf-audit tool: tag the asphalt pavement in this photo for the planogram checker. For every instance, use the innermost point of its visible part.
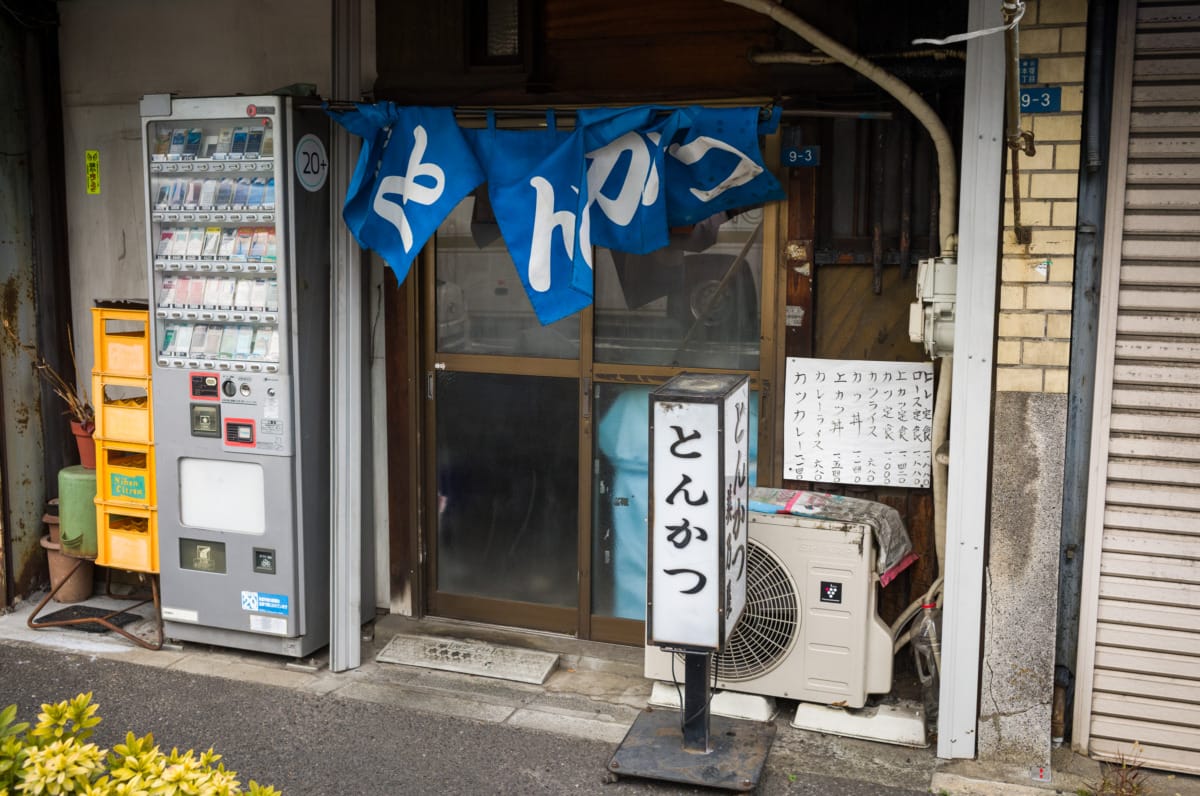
(323, 744)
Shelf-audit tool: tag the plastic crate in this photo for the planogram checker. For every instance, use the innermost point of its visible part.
(125, 473)
(122, 342)
(123, 409)
(128, 537)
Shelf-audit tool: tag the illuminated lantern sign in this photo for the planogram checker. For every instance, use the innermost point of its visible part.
(699, 472)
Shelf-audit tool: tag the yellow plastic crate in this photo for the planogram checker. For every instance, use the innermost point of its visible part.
(125, 473)
(121, 339)
(127, 537)
(123, 409)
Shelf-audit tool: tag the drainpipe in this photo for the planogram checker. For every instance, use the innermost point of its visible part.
(911, 100)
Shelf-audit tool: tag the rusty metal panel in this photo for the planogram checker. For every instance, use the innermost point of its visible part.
(21, 454)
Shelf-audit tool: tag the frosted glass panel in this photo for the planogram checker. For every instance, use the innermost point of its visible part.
(222, 496)
(508, 487)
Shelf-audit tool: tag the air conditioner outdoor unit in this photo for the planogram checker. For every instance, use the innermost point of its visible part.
(810, 631)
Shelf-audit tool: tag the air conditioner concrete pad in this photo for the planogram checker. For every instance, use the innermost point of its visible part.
(470, 657)
(902, 724)
(731, 704)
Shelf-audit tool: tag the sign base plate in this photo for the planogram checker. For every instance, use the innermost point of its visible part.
(653, 749)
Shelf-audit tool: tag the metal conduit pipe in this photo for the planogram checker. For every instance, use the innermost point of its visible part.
(911, 100)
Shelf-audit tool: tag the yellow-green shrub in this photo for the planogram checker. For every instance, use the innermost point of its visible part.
(54, 758)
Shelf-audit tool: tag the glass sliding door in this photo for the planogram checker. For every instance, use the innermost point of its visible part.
(536, 472)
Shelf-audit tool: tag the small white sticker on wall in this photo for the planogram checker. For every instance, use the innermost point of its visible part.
(268, 624)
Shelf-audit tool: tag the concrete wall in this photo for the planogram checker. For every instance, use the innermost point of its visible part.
(1029, 431)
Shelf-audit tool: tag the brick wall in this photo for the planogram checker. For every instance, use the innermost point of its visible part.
(1034, 326)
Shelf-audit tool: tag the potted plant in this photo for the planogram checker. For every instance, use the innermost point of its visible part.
(79, 409)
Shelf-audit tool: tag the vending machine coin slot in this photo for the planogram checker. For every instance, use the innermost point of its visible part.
(206, 420)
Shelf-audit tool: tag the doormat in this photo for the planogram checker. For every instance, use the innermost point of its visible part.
(470, 657)
(89, 612)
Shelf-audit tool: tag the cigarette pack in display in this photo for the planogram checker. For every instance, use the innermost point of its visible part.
(272, 303)
(237, 148)
(241, 192)
(269, 194)
(178, 193)
(273, 346)
(166, 291)
(255, 196)
(208, 193)
(262, 341)
(194, 189)
(164, 243)
(212, 242)
(183, 340)
(196, 289)
(225, 291)
(212, 342)
(242, 246)
(268, 144)
(162, 143)
(179, 243)
(258, 294)
(163, 197)
(269, 255)
(199, 338)
(228, 242)
(191, 149)
(183, 287)
(224, 192)
(245, 341)
(258, 244)
(195, 242)
(210, 147)
(224, 138)
(211, 298)
(168, 343)
(228, 341)
(254, 139)
(178, 142)
(241, 294)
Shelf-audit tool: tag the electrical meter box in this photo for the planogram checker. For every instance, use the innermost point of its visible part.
(238, 212)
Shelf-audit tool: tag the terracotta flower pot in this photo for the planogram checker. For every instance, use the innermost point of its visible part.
(87, 445)
(79, 581)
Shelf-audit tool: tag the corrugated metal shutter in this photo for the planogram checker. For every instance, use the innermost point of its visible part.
(1144, 678)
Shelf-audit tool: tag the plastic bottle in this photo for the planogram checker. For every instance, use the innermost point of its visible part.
(927, 651)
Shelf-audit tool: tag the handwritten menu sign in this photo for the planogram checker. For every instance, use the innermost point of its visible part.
(699, 473)
(858, 422)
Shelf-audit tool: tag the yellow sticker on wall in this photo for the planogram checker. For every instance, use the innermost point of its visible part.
(91, 158)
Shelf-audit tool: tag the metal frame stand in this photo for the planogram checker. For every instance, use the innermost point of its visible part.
(103, 621)
(694, 747)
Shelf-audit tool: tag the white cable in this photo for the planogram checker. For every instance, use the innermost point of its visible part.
(1018, 9)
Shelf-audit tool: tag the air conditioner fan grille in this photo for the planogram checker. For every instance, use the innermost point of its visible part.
(769, 624)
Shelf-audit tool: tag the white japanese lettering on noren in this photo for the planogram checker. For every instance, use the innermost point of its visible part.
(408, 189)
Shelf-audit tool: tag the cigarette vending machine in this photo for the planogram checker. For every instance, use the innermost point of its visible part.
(238, 239)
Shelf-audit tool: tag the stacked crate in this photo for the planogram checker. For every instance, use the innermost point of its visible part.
(126, 518)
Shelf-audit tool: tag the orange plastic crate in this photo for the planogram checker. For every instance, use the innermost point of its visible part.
(125, 474)
(123, 409)
(127, 537)
(121, 339)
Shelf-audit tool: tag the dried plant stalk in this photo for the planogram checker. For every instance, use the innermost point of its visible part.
(79, 408)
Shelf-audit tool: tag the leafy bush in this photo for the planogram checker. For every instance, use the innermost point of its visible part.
(54, 758)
